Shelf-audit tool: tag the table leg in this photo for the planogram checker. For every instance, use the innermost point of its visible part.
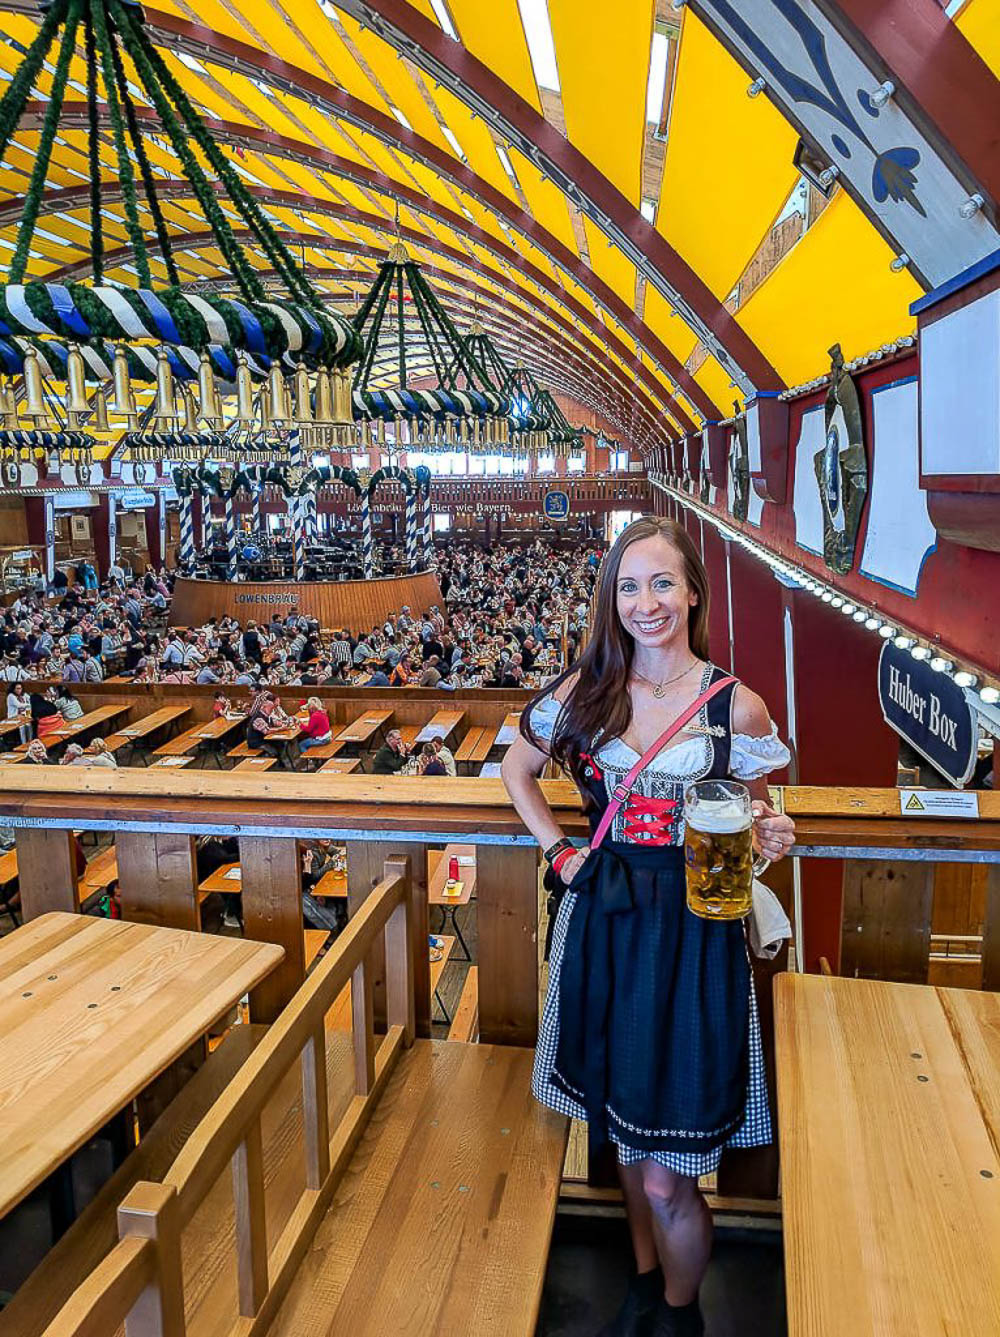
(62, 1200)
(452, 910)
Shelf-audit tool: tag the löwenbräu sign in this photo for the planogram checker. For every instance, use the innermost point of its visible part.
(929, 710)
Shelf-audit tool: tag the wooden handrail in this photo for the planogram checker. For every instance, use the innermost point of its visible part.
(99, 1304)
(204, 1155)
(141, 1281)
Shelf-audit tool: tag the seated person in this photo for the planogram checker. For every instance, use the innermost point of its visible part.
(96, 754)
(391, 756)
(316, 730)
(263, 718)
(38, 754)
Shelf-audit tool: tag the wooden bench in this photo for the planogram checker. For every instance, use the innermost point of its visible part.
(408, 733)
(95, 1231)
(465, 749)
(465, 1022)
(181, 745)
(347, 1222)
(341, 765)
(324, 752)
(244, 750)
(100, 874)
(255, 763)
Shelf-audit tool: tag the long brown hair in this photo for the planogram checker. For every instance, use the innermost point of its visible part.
(599, 706)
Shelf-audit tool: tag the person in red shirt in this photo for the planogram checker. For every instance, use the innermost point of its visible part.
(316, 730)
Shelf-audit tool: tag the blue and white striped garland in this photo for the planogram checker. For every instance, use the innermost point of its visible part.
(411, 530)
(187, 533)
(367, 547)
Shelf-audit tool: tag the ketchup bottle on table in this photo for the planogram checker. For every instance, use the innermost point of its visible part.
(453, 869)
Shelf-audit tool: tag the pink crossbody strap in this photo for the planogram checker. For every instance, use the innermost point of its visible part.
(621, 791)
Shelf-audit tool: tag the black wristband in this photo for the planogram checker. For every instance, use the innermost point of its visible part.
(563, 844)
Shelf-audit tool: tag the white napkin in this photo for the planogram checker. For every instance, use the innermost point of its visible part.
(769, 925)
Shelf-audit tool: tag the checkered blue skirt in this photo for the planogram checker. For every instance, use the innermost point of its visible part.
(552, 1087)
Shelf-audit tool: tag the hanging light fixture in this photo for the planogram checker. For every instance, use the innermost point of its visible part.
(73, 353)
(462, 408)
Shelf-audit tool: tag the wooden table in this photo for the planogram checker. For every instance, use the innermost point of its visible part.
(100, 872)
(339, 765)
(365, 727)
(91, 720)
(889, 1117)
(94, 1010)
(441, 725)
(437, 876)
(255, 764)
(171, 763)
(149, 724)
(220, 882)
(508, 731)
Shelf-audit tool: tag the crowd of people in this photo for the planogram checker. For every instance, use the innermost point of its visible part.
(509, 618)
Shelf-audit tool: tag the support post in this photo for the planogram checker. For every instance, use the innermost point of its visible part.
(507, 887)
(272, 912)
(46, 865)
(158, 879)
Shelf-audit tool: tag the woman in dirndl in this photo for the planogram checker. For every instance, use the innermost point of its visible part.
(650, 1030)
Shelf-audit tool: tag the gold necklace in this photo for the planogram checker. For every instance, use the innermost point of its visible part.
(659, 686)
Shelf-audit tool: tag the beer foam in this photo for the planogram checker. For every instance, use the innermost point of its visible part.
(721, 817)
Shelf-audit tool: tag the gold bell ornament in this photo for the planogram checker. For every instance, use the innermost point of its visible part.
(99, 404)
(244, 391)
(324, 397)
(279, 408)
(166, 403)
(34, 397)
(190, 411)
(8, 404)
(209, 404)
(123, 404)
(303, 395)
(76, 384)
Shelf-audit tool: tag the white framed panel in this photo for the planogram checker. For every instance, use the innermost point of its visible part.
(960, 390)
(899, 534)
(806, 504)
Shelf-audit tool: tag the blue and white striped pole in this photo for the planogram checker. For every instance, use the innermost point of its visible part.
(297, 508)
(161, 521)
(187, 533)
(50, 540)
(367, 547)
(257, 510)
(112, 530)
(231, 548)
(411, 530)
(428, 537)
(311, 517)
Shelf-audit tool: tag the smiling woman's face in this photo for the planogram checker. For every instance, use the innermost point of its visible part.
(652, 595)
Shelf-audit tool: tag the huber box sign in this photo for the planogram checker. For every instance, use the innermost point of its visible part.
(929, 710)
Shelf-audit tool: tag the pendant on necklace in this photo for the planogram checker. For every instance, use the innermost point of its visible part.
(658, 691)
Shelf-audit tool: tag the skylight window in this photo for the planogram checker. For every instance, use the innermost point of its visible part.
(449, 136)
(648, 210)
(400, 117)
(656, 87)
(538, 31)
(444, 18)
(502, 155)
(191, 63)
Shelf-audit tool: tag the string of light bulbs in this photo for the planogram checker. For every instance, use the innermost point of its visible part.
(887, 628)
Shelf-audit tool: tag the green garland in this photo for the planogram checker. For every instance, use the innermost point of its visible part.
(33, 195)
(272, 243)
(94, 151)
(243, 272)
(19, 89)
(126, 175)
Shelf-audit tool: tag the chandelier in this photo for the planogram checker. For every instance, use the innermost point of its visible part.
(153, 371)
(536, 420)
(445, 415)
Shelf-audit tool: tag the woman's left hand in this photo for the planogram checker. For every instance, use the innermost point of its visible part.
(773, 832)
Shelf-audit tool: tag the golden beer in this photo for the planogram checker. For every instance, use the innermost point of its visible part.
(718, 849)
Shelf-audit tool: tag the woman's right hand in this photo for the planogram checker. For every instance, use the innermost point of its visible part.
(571, 867)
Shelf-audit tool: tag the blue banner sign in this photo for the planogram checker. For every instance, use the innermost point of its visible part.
(556, 506)
(929, 710)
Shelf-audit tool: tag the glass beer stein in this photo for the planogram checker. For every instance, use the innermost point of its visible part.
(718, 849)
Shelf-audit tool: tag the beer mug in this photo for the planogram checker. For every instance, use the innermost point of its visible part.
(718, 849)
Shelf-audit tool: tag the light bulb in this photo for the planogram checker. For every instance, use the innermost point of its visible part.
(989, 695)
(941, 665)
(899, 262)
(882, 94)
(838, 602)
(860, 616)
(886, 632)
(756, 88)
(827, 597)
(872, 623)
(970, 207)
(920, 652)
(903, 642)
(848, 610)
(964, 679)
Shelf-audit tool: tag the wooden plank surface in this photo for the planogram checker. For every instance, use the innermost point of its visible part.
(443, 1219)
(258, 764)
(437, 866)
(508, 943)
(94, 1009)
(272, 912)
(365, 727)
(889, 1123)
(142, 728)
(441, 724)
(158, 878)
(8, 867)
(339, 765)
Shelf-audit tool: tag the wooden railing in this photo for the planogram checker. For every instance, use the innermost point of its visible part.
(141, 1281)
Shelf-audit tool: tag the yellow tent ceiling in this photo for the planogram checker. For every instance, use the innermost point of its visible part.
(714, 170)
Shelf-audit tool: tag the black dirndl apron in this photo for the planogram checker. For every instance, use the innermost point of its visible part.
(654, 1002)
